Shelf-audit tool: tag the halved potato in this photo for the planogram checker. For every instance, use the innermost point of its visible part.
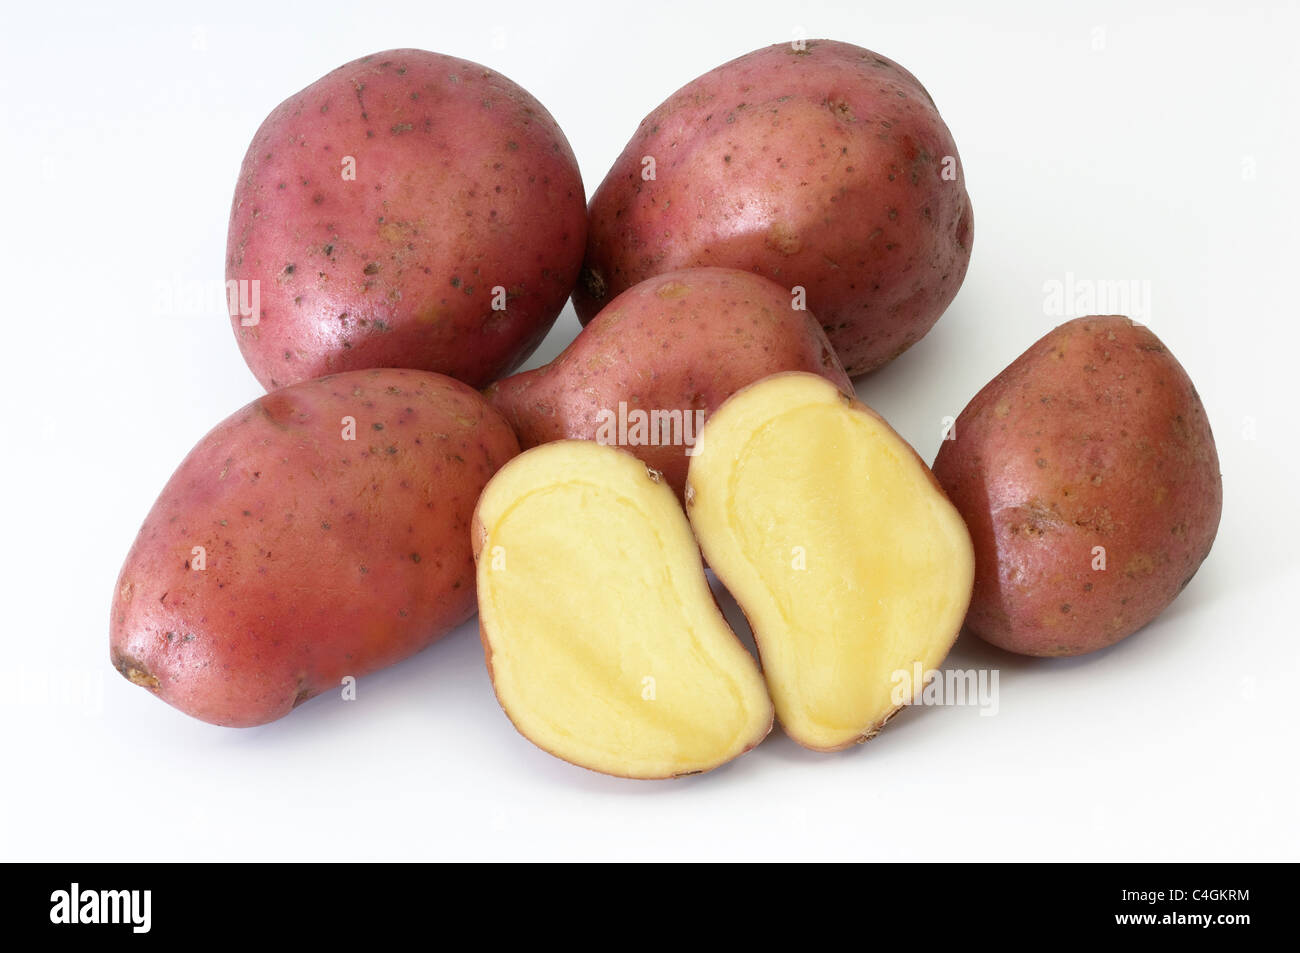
(602, 637)
(846, 556)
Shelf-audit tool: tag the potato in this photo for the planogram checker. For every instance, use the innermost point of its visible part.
(406, 210)
(647, 371)
(846, 557)
(601, 634)
(1088, 476)
(321, 531)
(826, 167)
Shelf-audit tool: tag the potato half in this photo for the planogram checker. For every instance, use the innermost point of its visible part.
(842, 550)
(602, 637)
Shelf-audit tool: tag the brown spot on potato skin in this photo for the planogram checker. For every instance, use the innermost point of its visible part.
(134, 671)
(782, 237)
(1132, 455)
(672, 289)
(594, 284)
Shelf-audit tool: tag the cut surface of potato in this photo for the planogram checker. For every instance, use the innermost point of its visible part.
(846, 557)
(602, 637)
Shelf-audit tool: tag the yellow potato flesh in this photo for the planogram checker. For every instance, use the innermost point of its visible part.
(604, 642)
(850, 564)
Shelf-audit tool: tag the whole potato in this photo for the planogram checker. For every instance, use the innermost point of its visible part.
(826, 167)
(321, 531)
(1088, 476)
(670, 349)
(408, 209)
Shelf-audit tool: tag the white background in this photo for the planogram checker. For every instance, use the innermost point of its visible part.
(1154, 142)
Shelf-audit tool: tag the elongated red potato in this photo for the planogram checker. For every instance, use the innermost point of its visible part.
(846, 557)
(822, 166)
(1088, 475)
(321, 531)
(601, 634)
(662, 356)
(408, 209)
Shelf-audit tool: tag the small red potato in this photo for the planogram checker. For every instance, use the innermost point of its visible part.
(1088, 476)
(322, 531)
(822, 166)
(661, 357)
(408, 209)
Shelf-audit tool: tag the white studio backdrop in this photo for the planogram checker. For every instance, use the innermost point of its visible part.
(1148, 144)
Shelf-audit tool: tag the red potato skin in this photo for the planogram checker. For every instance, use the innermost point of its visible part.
(324, 557)
(463, 182)
(822, 168)
(685, 340)
(1094, 437)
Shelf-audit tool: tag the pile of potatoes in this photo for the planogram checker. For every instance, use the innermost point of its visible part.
(405, 232)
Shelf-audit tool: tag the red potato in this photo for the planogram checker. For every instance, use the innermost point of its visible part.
(1089, 478)
(826, 167)
(408, 209)
(677, 344)
(282, 556)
